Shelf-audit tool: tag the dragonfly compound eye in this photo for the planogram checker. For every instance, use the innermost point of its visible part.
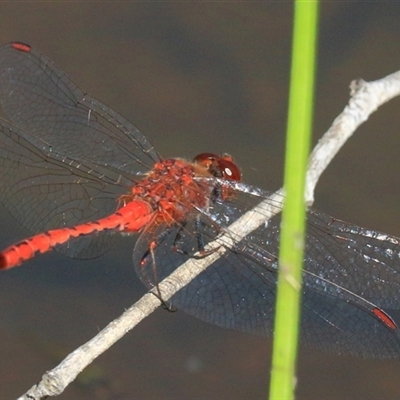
(220, 167)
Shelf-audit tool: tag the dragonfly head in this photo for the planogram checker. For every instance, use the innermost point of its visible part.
(219, 166)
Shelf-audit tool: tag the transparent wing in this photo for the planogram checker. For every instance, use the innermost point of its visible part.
(66, 157)
(238, 290)
(42, 100)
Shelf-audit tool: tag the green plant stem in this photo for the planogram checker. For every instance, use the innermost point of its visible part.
(283, 376)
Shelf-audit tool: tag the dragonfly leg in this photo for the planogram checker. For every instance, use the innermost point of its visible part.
(164, 304)
(150, 252)
(200, 252)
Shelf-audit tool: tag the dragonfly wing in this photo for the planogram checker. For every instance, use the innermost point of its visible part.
(345, 327)
(70, 156)
(238, 290)
(337, 254)
(41, 99)
(337, 314)
(359, 259)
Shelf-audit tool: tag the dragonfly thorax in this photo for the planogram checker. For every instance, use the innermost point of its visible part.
(171, 189)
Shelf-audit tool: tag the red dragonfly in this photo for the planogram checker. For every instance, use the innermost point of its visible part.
(76, 170)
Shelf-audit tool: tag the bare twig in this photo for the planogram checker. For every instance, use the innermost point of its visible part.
(366, 97)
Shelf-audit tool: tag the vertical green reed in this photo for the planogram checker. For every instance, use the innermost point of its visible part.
(283, 375)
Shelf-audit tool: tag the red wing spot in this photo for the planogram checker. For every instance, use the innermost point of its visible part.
(21, 47)
(385, 318)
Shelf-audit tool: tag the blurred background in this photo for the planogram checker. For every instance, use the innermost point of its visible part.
(199, 77)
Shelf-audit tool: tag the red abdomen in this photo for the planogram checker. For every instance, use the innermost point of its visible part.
(130, 218)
